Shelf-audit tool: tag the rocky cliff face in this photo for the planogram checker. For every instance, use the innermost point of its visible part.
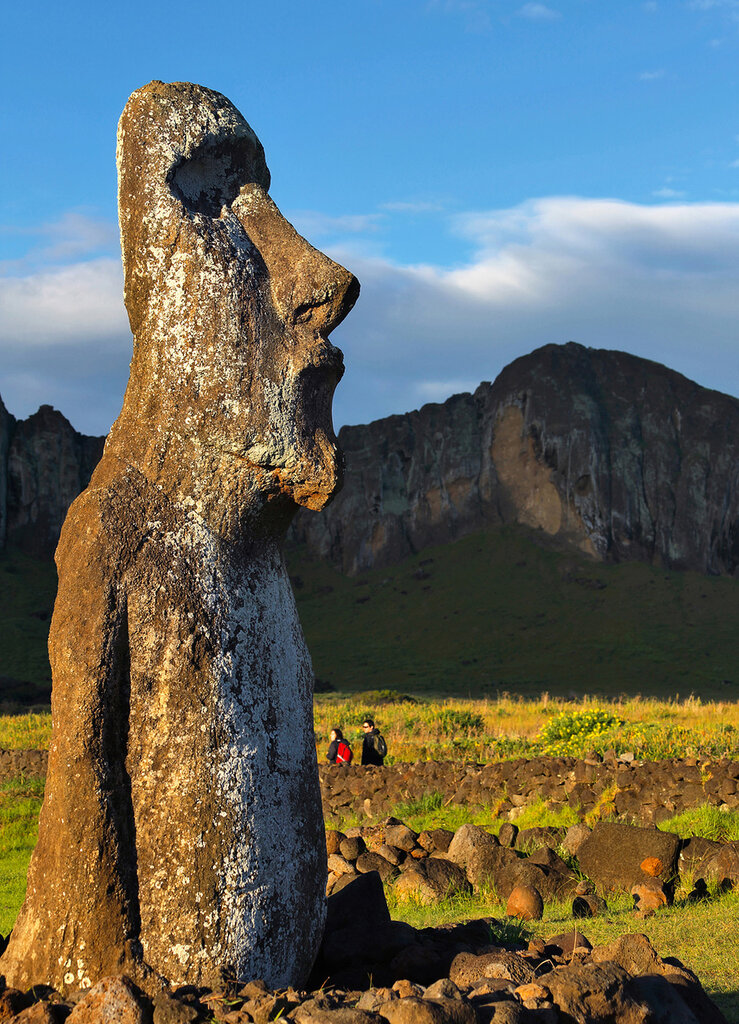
(44, 464)
(606, 451)
(612, 453)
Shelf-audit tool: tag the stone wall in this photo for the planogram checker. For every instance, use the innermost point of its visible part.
(644, 792)
(30, 763)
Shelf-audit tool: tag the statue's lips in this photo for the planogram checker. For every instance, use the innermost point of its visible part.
(326, 356)
(322, 363)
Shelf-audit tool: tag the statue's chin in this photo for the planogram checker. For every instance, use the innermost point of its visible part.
(317, 478)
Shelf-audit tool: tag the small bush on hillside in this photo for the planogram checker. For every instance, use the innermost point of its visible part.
(564, 733)
(373, 697)
(450, 721)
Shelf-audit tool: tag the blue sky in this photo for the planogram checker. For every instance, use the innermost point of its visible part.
(499, 174)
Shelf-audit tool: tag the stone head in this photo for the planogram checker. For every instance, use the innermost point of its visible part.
(230, 307)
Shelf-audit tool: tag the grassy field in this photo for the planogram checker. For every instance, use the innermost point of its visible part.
(27, 591)
(419, 728)
(498, 611)
(20, 803)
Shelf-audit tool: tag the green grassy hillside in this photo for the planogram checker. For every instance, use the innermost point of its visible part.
(499, 611)
(27, 589)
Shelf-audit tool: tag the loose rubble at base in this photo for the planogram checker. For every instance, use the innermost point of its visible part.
(373, 970)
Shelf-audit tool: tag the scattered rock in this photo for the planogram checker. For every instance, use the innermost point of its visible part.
(525, 902)
(574, 837)
(114, 999)
(12, 1001)
(652, 866)
(507, 834)
(170, 1010)
(42, 1013)
(566, 944)
(588, 905)
(444, 988)
(612, 854)
(376, 863)
(334, 839)
(400, 836)
(649, 896)
(596, 993)
(436, 840)
(468, 968)
(352, 848)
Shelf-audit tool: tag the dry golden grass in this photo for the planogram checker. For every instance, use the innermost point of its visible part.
(495, 729)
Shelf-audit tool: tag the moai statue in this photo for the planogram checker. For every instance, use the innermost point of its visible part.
(181, 835)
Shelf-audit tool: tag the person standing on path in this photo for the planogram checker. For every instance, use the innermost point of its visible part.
(374, 747)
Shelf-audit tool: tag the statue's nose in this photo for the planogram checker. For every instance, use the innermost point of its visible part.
(307, 287)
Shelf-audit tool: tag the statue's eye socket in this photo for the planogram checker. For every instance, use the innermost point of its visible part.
(214, 174)
(304, 313)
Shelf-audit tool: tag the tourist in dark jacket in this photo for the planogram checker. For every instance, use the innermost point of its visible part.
(339, 751)
(333, 748)
(374, 747)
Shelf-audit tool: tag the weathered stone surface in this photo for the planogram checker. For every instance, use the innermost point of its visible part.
(596, 993)
(181, 832)
(468, 968)
(525, 902)
(617, 455)
(612, 854)
(114, 999)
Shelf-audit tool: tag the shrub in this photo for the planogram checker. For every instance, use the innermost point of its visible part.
(569, 731)
(449, 721)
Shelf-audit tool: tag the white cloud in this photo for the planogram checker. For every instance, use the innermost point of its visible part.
(652, 76)
(668, 193)
(81, 302)
(657, 280)
(538, 12)
(440, 390)
(709, 5)
(73, 236)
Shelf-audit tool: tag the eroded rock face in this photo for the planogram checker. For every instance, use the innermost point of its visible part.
(181, 834)
(48, 464)
(612, 454)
